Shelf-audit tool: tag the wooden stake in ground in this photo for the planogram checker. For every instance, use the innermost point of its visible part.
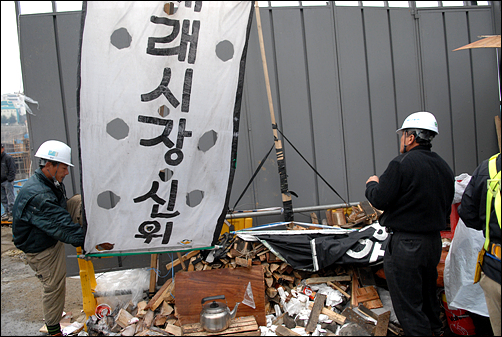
(281, 163)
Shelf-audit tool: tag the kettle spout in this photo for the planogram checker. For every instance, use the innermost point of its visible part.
(234, 311)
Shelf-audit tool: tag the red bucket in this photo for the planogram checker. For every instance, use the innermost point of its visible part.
(459, 321)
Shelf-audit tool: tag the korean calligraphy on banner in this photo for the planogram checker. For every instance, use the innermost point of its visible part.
(159, 102)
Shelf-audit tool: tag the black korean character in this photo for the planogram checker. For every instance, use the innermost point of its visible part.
(151, 194)
(170, 206)
(186, 38)
(164, 137)
(162, 89)
(148, 230)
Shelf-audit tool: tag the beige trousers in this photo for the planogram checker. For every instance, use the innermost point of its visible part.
(50, 268)
(492, 295)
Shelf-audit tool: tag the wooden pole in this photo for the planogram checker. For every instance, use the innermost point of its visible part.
(154, 258)
(281, 163)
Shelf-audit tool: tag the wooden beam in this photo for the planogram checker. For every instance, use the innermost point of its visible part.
(157, 299)
(176, 262)
(154, 259)
(320, 299)
(319, 280)
(333, 285)
(281, 163)
(382, 324)
(283, 331)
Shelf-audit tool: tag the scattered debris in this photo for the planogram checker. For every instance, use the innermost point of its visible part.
(285, 302)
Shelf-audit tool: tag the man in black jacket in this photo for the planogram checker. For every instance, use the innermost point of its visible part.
(8, 176)
(42, 223)
(473, 212)
(415, 192)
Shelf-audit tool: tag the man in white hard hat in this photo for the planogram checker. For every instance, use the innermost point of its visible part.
(42, 223)
(415, 192)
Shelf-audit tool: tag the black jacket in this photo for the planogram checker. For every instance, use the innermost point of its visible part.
(472, 211)
(41, 218)
(415, 192)
(8, 168)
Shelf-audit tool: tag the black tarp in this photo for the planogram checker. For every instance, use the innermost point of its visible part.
(316, 250)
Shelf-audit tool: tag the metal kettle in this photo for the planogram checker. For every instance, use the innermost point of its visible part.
(216, 316)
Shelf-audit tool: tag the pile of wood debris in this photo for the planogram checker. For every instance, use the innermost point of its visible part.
(286, 301)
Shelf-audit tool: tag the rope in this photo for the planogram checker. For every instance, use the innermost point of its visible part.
(312, 167)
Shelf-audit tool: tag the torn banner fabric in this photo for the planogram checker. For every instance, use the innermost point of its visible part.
(315, 250)
(159, 105)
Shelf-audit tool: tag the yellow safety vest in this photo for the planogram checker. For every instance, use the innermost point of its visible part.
(493, 191)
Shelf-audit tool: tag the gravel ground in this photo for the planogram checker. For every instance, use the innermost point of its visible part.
(22, 313)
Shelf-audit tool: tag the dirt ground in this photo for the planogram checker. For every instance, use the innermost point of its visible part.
(22, 313)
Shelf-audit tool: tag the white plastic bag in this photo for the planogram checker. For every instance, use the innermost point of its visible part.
(459, 268)
(461, 183)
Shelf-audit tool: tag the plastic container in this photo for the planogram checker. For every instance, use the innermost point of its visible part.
(238, 224)
(459, 321)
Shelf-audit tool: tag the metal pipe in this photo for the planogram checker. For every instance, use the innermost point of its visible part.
(255, 213)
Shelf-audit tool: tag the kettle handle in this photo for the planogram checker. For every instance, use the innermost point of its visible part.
(212, 298)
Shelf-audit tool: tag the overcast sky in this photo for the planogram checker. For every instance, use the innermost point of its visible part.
(11, 65)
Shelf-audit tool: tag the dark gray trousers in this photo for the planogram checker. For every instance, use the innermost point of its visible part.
(410, 264)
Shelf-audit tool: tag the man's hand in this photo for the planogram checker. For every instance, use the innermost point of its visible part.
(373, 178)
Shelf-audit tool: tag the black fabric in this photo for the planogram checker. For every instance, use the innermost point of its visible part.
(415, 192)
(8, 169)
(363, 247)
(410, 266)
(236, 119)
(329, 248)
(472, 211)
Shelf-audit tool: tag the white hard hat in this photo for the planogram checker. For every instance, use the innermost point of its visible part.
(420, 120)
(56, 151)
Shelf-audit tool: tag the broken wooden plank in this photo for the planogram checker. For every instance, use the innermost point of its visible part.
(148, 318)
(271, 292)
(157, 299)
(364, 310)
(154, 260)
(334, 285)
(176, 262)
(358, 319)
(320, 299)
(283, 331)
(141, 309)
(123, 318)
(367, 294)
(173, 329)
(182, 261)
(237, 325)
(244, 262)
(355, 286)
(382, 324)
(336, 317)
(319, 280)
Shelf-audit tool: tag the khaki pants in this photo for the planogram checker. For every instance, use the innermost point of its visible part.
(492, 296)
(50, 268)
(74, 207)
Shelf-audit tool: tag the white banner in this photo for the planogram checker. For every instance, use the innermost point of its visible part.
(159, 105)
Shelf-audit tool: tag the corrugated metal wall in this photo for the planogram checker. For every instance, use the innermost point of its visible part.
(343, 79)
